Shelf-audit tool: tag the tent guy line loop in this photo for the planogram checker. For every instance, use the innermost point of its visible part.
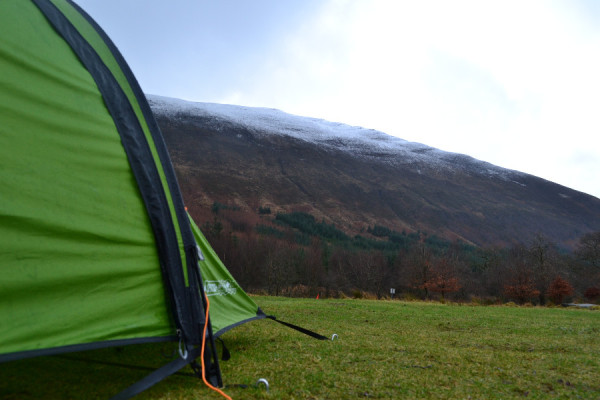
(334, 336)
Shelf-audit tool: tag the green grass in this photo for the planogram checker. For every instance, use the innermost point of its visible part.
(385, 349)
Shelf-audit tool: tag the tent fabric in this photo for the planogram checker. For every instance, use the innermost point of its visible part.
(96, 248)
(78, 256)
(148, 168)
(229, 304)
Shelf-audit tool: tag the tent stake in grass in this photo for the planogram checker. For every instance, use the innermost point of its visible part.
(264, 382)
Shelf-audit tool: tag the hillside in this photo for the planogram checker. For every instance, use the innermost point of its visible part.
(356, 178)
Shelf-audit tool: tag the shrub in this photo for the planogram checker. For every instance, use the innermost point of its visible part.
(342, 295)
(408, 296)
(521, 289)
(264, 210)
(592, 293)
(559, 289)
(442, 284)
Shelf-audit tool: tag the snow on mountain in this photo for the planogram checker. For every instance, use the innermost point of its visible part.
(355, 140)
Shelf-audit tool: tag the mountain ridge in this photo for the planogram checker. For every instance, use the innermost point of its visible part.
(380, 145)
(356, 177)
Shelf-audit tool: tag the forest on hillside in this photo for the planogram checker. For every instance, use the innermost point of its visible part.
(294, 254)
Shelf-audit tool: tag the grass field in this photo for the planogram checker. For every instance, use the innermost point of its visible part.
(385, 349)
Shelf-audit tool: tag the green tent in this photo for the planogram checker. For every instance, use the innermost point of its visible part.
(96, 247)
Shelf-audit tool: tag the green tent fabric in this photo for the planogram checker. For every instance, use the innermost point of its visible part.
(96, 247)
(230, 306)
(69, 209)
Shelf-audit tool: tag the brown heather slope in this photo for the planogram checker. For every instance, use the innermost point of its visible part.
(221, 160)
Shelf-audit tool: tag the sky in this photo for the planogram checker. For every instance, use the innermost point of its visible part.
(512, 82)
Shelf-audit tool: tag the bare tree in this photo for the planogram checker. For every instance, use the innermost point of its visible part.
(589, 248)
(490, 272)
(338, 276)
(280, 265)
(313, 271)
(519, 283)
(418, 270)
(544, 260)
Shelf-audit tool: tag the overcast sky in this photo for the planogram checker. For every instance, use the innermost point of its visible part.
(514, 83)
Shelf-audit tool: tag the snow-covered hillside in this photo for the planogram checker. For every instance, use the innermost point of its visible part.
(357, 141)
(355, 177)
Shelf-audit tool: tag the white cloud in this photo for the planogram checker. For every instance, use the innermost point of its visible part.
(513, 83)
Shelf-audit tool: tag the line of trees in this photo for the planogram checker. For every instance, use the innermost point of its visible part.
(294, 254)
